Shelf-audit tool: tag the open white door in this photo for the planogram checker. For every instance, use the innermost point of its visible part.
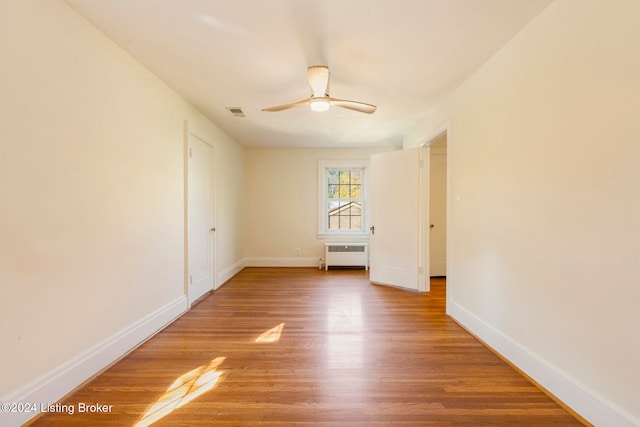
(395, 219)
(200, 209)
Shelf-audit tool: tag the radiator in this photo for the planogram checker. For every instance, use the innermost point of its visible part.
(346, 255)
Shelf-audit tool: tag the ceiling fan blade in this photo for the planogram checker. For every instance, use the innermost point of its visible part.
(318, 76)
(353, 105)
(287, 106)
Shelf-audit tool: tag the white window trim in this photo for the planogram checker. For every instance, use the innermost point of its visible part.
(323, 231)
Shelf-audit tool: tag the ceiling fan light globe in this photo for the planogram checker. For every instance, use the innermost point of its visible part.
(319, 105)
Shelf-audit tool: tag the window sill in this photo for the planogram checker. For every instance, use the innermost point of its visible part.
(343, 236)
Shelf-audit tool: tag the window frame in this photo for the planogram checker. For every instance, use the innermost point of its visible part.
(323, 197)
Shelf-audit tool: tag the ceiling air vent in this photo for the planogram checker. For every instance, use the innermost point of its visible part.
(236, 111)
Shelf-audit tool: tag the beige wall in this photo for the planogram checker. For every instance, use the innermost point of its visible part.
(545, 149)
(92, 194)
(281, 199)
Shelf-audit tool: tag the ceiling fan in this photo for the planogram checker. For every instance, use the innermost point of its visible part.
(318, 76)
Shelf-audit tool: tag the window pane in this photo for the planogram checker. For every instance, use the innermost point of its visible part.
(334, 176)
(344, 191)
(333, 191)
(334, 223)
(334, 217)
(345, 216)
(344, 184)
(355, 191)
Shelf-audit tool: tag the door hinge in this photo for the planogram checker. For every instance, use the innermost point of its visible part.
(190, 279)
(190, 153)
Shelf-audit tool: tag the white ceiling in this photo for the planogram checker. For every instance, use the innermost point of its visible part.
(401, 55)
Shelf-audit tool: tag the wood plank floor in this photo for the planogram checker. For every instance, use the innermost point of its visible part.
(305, 347)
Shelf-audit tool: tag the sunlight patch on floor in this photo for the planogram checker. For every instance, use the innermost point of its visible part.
(184, 389)
(345, 321)
(272, 335)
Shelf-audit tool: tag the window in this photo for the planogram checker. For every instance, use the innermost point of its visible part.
(342, 197)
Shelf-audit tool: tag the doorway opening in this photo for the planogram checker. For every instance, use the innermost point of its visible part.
(436, 237)
(438, 207)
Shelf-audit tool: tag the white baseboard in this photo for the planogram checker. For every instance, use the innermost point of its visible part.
(228, 273)
(283, 261)
(55, 384)
(584, 401)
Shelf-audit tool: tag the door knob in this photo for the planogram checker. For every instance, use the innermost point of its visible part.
(213, 229)
(372, 229)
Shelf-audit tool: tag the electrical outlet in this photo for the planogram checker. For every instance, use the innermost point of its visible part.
(298, 252)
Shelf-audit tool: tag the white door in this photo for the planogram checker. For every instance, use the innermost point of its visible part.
(438, 212)
(395, 219)
(200, 210)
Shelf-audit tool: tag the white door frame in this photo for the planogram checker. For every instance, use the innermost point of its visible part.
(192, 131)
(443, 129)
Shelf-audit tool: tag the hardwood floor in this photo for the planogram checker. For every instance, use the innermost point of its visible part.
(301, 346)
